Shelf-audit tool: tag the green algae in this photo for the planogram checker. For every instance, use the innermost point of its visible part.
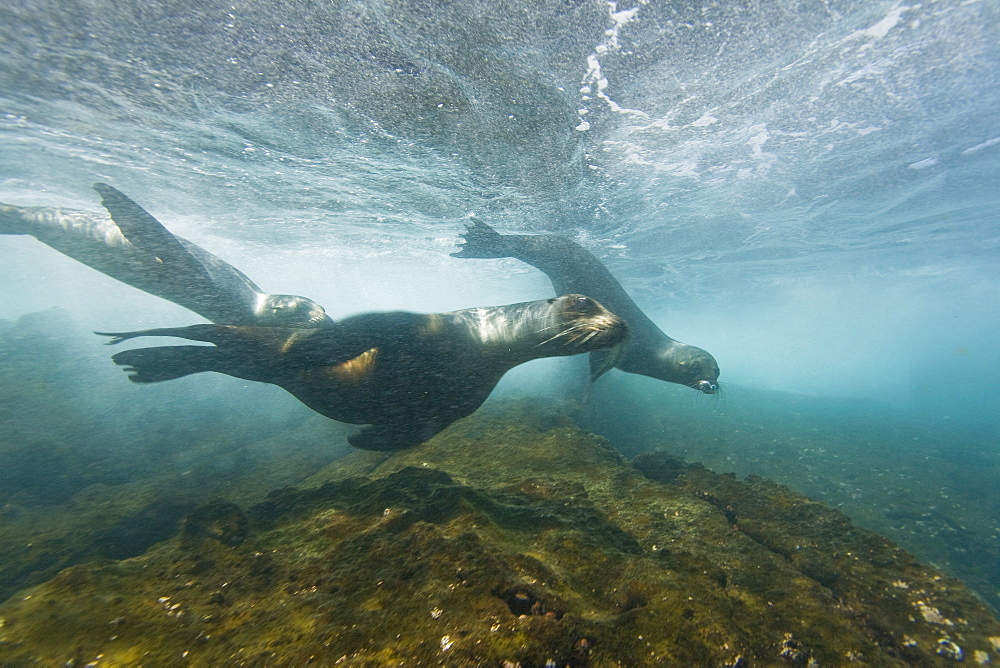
(510, 538)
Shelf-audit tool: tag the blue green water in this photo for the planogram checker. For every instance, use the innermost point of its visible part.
(808, 190)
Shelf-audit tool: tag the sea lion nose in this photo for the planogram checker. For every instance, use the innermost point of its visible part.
(618, 329)
(705, 386)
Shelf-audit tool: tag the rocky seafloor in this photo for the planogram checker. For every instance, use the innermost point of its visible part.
(513, 538)
(928, 482)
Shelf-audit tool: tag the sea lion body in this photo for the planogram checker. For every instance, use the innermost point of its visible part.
(135, 248)
(571, 268)
(408, 375)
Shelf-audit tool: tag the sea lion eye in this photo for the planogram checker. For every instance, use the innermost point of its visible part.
(585, 305)
(695, 369)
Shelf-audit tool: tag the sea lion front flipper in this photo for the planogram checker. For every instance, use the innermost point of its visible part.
(390, 437)
(481, 241)
(601, 361)
(147, 233)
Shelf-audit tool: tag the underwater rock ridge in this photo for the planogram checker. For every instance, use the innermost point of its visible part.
(553, 550)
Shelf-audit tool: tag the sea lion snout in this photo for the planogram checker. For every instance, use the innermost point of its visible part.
(614, 329)
(706, 386)
(288, 310)
(693, 367)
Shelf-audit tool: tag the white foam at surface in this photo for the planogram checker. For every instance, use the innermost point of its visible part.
(882, 28)
(980, 147)
(705, 120)
(924, 164)
(594, 77)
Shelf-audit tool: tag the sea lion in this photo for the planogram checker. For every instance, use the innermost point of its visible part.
(135, 248)
(407, 375)
(571, 268)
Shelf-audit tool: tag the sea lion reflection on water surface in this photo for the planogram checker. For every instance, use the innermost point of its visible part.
(407, 375)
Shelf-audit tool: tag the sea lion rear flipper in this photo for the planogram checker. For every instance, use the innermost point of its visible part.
(242, 352)
(209, 333)
(329, 346)
(152, 365)
(481, 241)
(148, 234)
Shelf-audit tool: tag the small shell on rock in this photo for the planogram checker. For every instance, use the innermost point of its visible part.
(949, 650)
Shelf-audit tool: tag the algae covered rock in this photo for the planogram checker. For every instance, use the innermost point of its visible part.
(92, 469)
(507, 540)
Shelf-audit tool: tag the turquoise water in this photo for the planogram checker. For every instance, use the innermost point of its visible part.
(808, 191)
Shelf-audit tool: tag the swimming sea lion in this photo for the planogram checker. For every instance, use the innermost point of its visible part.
(135, 248)
(571, 268)
(407, 375)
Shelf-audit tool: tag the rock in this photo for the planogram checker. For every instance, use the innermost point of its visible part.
(217, 520)
(508, 540)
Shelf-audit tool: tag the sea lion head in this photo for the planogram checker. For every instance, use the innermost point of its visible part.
(581, 324)
(290, 311)
(694, 367)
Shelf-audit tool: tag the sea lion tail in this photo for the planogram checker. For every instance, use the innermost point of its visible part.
(481, 241)
(152, 365)
(148, 234)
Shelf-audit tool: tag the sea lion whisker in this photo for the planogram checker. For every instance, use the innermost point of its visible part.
(582, 338)
(562, 325)
(569, 333)
(582, 332)
(553, 338)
